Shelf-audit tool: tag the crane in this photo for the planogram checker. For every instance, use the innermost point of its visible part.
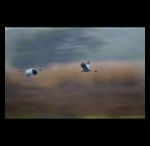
(86, 67)
(31, 71)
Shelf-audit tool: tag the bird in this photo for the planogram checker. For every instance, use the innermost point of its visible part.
(86, 67)
(31, 71)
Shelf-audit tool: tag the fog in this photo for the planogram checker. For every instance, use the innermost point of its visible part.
(24, 46)
(117, 90)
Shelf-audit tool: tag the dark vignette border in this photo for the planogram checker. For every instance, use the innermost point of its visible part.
(70, 122)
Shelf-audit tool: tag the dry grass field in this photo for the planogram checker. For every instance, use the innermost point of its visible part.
(117, 90)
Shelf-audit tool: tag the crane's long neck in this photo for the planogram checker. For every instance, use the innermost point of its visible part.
(93, 70)
(22, 71)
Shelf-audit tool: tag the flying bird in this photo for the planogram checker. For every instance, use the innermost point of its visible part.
(31, 71)
(86, 67)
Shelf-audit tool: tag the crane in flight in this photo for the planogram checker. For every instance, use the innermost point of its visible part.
(86, 67)
(31, 71)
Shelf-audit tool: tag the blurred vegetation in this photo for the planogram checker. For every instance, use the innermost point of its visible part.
(115, 91)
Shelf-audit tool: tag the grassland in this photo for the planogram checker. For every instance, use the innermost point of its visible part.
(117, 90)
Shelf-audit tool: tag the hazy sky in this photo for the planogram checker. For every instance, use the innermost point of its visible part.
(119, 43)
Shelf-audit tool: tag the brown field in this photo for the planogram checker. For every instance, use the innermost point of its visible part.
(117, 90)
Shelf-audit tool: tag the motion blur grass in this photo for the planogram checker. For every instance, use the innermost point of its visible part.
(117, 90)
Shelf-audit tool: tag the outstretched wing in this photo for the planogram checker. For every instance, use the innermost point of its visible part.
(83, 65)
(88, 64)
(34, 71)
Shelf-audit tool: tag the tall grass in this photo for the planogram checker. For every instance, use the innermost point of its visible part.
(125, 72)
(116, 90)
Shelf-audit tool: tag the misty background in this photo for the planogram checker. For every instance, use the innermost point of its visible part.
(27, 47)
(117, 90)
